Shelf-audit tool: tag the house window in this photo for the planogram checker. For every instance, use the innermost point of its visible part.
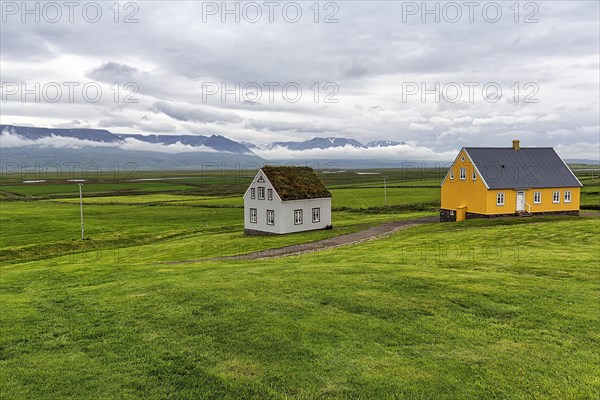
(270, 217)
(474, 176)
(270, 194)
(316, 214)
(500, 199)
(556, 197)
(261, 193)
(567, 196)
(463, 174)
(452, 175)
(260, 179)
(253, 215)
(252, 193)
(462, 159)
(537, 197)
(297, 217)
(451, 212)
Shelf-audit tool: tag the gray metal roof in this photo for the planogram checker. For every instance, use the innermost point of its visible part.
(529, 167)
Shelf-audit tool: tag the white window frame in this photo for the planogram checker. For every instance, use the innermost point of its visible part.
(500, 199)
(253, 215)
(316, 214)
(298, 217)
(462, 159)
(270, 217)
(567, 196)
(463, 174)
(474, 176)
(452, 175)
(261, 193)
(252, 193)
(537, 197)
(556, 197)
(270, 194)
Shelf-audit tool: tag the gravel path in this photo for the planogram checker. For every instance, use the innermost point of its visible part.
(375, 232)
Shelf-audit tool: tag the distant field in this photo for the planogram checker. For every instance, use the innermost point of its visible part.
(470, 310)
(38, 189)
(374, 197)
(590, 192)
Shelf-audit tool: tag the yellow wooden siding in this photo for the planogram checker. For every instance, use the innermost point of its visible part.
(510, 200)
(469, 193)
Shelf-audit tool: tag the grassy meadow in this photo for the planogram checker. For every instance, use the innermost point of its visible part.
(480, 309)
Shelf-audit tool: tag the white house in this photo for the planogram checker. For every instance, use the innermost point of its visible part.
(285, 200)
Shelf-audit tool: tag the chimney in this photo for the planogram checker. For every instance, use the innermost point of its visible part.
(516, 145)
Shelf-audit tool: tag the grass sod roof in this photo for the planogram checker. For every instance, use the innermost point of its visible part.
(296, 183)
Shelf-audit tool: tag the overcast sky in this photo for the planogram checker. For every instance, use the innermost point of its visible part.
(371, 62)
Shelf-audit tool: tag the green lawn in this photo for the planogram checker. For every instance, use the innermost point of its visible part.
(468, 310)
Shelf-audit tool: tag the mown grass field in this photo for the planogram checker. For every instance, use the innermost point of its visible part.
(471, 310)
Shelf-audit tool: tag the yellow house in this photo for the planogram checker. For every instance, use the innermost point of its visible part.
(508, 181)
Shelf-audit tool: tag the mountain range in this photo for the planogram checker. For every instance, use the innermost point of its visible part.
(30, 136)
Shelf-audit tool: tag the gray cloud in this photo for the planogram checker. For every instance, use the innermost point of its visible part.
(353, 69)
(194, 114)
(369, 54)
(113, 72)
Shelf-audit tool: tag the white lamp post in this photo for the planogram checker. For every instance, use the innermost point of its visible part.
(81, 209)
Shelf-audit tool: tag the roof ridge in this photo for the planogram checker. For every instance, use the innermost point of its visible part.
(507, 148)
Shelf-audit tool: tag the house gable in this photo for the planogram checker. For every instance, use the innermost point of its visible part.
(260, 179)
(468, 190)
(463, 159)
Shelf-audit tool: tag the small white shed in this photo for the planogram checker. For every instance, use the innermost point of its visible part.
(285, 200)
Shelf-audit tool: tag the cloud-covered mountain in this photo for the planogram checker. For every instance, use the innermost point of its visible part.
(383, 143)
(316, 143)
(21, 136)
(330, 143)
(25, 147)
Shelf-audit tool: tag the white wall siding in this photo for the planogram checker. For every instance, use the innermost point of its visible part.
(288, 208)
